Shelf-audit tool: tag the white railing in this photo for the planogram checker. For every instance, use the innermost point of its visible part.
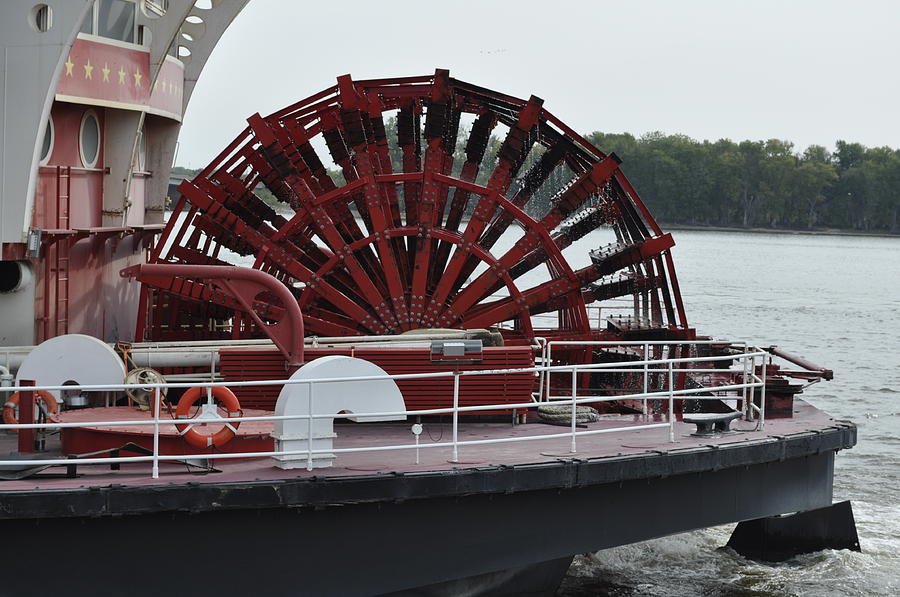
(750, 360)
(748, 407)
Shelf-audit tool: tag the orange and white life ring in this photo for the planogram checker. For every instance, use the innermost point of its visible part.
(9, 409)
(206, 440)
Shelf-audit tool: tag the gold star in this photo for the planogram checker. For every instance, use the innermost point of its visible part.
(88, 70)
(137, 78)
(122, 74)
(105, 70)
(69, 66)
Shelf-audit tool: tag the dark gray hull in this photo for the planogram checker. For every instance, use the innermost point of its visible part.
(377, 534)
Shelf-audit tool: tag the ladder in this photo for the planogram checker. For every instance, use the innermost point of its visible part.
(61, 253)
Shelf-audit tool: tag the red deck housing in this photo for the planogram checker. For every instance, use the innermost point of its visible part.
(420, 394)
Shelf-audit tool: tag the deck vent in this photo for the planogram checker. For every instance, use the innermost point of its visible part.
(456, 351)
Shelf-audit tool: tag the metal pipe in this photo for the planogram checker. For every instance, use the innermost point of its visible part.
(242, 284)
(26, 416)
(197, 354)
(430, 411)
(572, 447)
(455, 417)
(309, 429)
(646, 380)
(225, 455)
(583, 367)
(744, 406)
(827, 374)
(762, 397)
(156, 401)
(671, 405)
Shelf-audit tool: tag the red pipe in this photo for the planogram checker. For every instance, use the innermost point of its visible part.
(827, 374)
(243, 284)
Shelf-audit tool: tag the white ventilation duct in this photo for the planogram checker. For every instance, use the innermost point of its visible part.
(328, 398)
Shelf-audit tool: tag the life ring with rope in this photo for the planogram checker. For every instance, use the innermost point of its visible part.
(9, 408)
(207, 440)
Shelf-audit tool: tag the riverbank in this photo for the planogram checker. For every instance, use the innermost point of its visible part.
(817, 232)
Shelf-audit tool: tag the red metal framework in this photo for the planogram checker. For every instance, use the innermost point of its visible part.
(411, 241)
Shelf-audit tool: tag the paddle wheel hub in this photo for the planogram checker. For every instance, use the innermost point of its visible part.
(429, 220)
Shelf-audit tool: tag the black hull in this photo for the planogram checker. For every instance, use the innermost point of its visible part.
(315, 537)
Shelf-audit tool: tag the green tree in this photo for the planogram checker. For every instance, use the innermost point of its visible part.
(814, 176)
(752, 156)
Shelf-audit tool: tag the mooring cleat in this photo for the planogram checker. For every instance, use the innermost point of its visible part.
(711, 423)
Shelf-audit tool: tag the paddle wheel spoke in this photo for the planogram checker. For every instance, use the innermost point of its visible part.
(509, 160)
(433, 197)
(475, 148)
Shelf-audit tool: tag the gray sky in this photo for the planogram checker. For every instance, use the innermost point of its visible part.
(808, 71)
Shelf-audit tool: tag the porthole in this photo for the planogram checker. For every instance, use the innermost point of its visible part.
(89, 139)
(41, 18)
(47, 144)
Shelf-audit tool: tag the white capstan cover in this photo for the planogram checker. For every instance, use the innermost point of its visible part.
(357, 397)
(77, 358)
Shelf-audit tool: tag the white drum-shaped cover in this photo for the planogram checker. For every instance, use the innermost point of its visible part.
(77, 358)
(357, 397)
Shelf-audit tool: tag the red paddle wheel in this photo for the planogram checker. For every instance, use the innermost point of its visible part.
(429, 237)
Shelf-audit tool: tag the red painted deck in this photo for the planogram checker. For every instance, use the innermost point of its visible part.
(806, 418)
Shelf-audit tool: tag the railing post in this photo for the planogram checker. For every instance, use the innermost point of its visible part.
(744, 405)
(26, 417)
(762, 396)
(572, 448)
(671, 404)
(455, 457)
(309, 430)
(156, 400)
(646, 377)
(543, 345)
(547, 363)
(751, 375)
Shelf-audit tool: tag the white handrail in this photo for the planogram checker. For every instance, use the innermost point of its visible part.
(749, 381)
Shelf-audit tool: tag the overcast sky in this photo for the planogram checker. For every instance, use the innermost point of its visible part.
(807, 71)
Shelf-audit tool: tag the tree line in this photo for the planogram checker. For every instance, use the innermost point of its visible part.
(749, 184)
(761, 184)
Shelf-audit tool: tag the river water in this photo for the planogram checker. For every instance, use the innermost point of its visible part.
(836, 301)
